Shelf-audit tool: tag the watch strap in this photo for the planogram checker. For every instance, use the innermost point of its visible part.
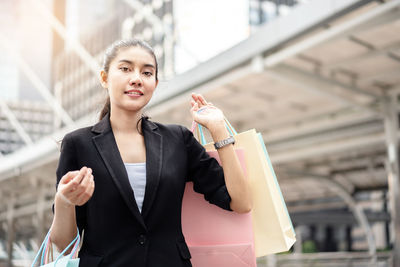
(225, 142)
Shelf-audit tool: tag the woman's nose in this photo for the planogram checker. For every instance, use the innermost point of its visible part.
(135, 79)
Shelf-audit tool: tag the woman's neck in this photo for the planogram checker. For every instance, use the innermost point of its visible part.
(125, 121)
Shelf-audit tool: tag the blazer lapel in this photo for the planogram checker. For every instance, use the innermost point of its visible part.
(154, 148)
(108, 150)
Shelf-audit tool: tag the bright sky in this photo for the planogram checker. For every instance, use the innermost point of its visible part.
(208, 27)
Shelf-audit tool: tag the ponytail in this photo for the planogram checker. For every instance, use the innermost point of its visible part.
(106, 108)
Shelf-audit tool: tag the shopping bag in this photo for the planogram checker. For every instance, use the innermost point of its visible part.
(273, 229)
(287, 235)
(69, 260)
(217, 237)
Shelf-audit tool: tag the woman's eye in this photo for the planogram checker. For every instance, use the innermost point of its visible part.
(147, 73)
(124, 69)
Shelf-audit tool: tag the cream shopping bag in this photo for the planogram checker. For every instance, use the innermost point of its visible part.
(273, 230)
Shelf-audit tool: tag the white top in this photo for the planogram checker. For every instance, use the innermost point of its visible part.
(137, 179)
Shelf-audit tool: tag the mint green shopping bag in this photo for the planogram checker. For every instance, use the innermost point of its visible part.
(69, 260)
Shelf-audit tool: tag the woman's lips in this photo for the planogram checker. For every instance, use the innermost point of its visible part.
(134, 93)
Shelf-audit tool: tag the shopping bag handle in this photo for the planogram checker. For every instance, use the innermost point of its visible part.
(44, 249)
(198, 129)
(74, 251)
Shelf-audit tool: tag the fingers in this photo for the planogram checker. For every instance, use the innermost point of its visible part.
(199, 103)
(73, 184)
(195, 106)
(83, 172)
(200, 106)
(199, 99)
(78, 189)
(68, 177)
(202, 100)
(85, 191)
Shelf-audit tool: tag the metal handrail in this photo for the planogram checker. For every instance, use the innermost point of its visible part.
(325, 259)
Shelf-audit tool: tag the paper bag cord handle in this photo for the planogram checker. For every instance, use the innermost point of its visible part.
(43, 250)
(197, 129)
(40, 249)
(76, 242)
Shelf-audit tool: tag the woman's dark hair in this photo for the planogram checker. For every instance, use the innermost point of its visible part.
(112, 52)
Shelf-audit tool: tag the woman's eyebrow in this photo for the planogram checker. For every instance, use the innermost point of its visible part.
(130, 62)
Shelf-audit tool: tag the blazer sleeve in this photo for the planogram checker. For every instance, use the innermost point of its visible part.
(205, 172)
(66, 163)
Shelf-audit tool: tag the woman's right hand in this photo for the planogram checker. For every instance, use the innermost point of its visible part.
(76, 187)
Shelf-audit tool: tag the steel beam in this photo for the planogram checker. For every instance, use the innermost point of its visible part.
(330, 82)
(319, 85)
(385, 51)
(15, 123)
(37, 83)
(335, 217)
(341, 30)
(41, 152)
(323, 149)
(310, 125)
(26, 210)
(301, 20)
(394, 72)
(324, 137)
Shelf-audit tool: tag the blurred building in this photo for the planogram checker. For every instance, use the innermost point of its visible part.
(16, 87)
(264, 11)
(25, 117)
(25, 28)
(77, 86)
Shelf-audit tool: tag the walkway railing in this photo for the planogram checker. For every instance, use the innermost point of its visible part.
(325, 259)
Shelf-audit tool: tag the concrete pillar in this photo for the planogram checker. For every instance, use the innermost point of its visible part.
(271, 260)
(299, 242)
(10, 230)
(391, 118)
(40, 210)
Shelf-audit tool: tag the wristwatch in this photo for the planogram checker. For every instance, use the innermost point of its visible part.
(225, 142)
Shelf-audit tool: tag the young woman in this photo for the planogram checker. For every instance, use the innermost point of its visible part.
(122, 180)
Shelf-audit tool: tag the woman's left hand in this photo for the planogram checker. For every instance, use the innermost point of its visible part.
(212, 118)
(206, 113)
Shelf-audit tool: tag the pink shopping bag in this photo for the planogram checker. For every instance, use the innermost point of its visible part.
(217, 237)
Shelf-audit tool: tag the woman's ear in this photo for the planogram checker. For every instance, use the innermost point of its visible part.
(103, 79)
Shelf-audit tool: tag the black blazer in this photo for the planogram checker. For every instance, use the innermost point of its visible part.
(115, 232)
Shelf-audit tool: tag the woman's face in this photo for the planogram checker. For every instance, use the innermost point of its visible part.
(131, 79)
